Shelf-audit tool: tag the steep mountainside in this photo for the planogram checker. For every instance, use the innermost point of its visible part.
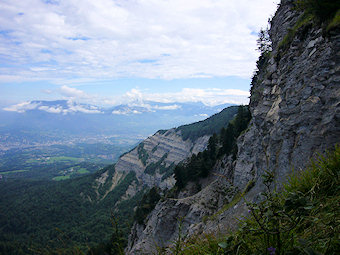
(295, 107)
(34, 215)
(154, 159)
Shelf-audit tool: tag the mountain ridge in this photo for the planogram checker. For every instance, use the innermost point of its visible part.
(156, 156)
(65, 120)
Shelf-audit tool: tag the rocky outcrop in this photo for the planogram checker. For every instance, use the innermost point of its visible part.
(191, 209)
(155, 156)
(295, 106)
(153, 160)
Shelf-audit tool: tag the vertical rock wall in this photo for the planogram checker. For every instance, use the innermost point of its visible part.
(296, 110)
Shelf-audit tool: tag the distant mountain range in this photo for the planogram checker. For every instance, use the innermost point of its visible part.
(64, 118)
(69, 107)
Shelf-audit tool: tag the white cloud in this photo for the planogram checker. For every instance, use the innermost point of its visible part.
(212, 96)
(139, 106)
(80, 108)
(136, 101)
(167, 107)
(72, 92)
(47, 91)
(125, 112)
(22, 107)
(119, 112)
(87, 39)
(203, 115)
(58, 109)
(51, 109)
(135, 96)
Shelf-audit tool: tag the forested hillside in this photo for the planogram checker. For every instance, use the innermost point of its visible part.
(48, 216)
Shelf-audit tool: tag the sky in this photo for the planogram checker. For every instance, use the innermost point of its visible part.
(109, 52)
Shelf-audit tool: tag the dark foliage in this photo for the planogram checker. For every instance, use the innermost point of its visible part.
(142, 153)
(198, 166)
(300, 219)
(264, 46)
(322, 9)
(35, 215)
(152, 167)
(209, 126)
(116, 244)
(146, 205)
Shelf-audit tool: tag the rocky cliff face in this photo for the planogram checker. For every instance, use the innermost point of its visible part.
(152, 160)
(295, 106)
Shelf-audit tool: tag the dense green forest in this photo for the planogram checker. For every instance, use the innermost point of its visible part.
(146, 205)
(209, 126)
(41, 216)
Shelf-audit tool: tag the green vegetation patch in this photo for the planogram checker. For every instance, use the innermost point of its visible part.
(198, 166)
(53, 160)
(323, 10)
(168, 171)
(162, 131)
(83, 171)
(14, 171)
(335, 22)
(146, 205)
(62, 178)
(154, 149)
(236, 199)
(160, 165)
(63, 158)
(65, 216)
(142, 153)
(209, 126)
(305, 19)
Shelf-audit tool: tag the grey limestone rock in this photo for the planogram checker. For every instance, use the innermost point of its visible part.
(295, 115)
(166, 149)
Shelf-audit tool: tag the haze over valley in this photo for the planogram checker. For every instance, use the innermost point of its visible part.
(51, 139)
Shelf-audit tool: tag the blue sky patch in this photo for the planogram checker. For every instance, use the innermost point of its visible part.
(80, 38)
(147, 61)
